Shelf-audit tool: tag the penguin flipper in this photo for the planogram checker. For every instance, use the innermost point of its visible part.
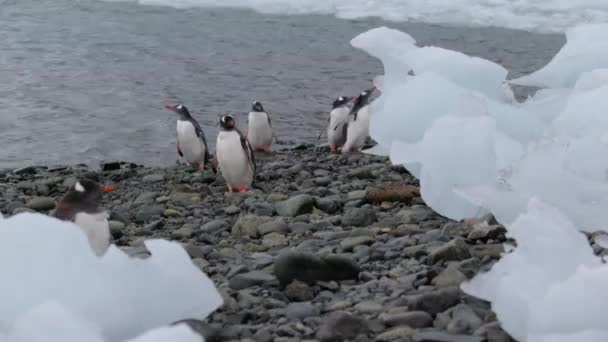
(179, 151)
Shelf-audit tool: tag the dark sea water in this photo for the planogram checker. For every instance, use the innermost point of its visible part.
(86, 81)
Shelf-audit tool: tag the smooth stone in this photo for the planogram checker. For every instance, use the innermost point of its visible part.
(443, 337)
(301, 310)
(359, 217)
(149, 212)
(245, 280)
(464, 320)
(146, 197)
(275, 226)
(328, 205)
(247, 226)
(414, 319)
(41, 203)
(298, 291)
(436, 301)
(183, 233)
(484, 231)
(455, 250)
(450, 276)
(171, 213)
(357, 195)
(493, 332)
(342, 326)
(214, 226)
(369, 307)
(414, 214)
(153, 178)
(350, 243)
(294, 206)
(232, 210)
(311, 268)
(395, 334)
(302, 227)
(116, 228)
(275, 240)
(493, 251)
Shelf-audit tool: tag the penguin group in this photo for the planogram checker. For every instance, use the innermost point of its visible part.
(347, 131)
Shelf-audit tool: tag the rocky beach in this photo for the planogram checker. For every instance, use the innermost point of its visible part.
(333, 248)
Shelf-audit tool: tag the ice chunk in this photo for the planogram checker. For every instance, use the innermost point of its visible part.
(585, 112)
(547, 104)
(586, 49)
(457, 150)
(550, 284)
(46, 260)
(562, 173)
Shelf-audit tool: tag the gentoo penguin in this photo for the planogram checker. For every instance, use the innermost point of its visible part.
(338, 119)
(82, 205)
(235, 156)
(358, 122)
(191, 142)
(259, 133)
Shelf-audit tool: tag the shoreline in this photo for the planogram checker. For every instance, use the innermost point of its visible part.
(338, 247)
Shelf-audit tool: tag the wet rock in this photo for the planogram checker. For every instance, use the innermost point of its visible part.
(414, 214)
(484, 231)
(171, 213)
(451, 276)
(359, 217)
(369, 307)
(328, 205)
(245, 280)
(41, 204)
(275, 226)
(110, 166)
(436, 301)
(493, 251)
(232, 210)
(433, 336)
(147, 213)
(393, 192)
(297, 205)
(153, 178)
(349, 244)
(342, 326)
(146, 197)
(462, 319)
(214, 226)
(299, 292)
(247, 225)
(311, 268)
(454, 250)
(116, 228)
(301, 310)
(395, 334)
(183, 233)
(413, 319)
(275, 240)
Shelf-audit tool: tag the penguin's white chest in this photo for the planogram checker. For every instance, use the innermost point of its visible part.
(97, 230)
(190, 144)
(358, 130)
(233, 161)
(335, 134)
(259, 133)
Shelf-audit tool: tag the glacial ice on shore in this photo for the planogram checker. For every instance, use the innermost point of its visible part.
(551, 286)
(541, 167)
(55, 289)
(586, 49)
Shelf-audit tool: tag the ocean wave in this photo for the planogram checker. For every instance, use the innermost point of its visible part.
(532, 15)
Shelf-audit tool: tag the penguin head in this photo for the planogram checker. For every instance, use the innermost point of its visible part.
(87, 192)
(180, 109)
(227, 122)
(341, 101)
(257, 106)
(362, 100)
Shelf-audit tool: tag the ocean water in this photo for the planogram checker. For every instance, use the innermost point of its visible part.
(86, 81)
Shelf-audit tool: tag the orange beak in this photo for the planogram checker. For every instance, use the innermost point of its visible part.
(108, 188)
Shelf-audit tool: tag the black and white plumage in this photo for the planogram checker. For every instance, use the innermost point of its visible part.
(259, 132)
(338, 123)
(82, 205)
(358, 122)
(191, 141)
(235, 156)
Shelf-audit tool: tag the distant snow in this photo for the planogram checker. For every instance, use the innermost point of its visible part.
(54, 289)
(533, 15)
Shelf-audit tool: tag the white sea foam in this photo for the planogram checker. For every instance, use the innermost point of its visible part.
(534, 15)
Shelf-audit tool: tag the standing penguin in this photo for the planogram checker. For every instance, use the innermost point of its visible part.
(338, 123)
(235, 156)
(82, 205)
(191, 142)
(358, 122)
(259, 133)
